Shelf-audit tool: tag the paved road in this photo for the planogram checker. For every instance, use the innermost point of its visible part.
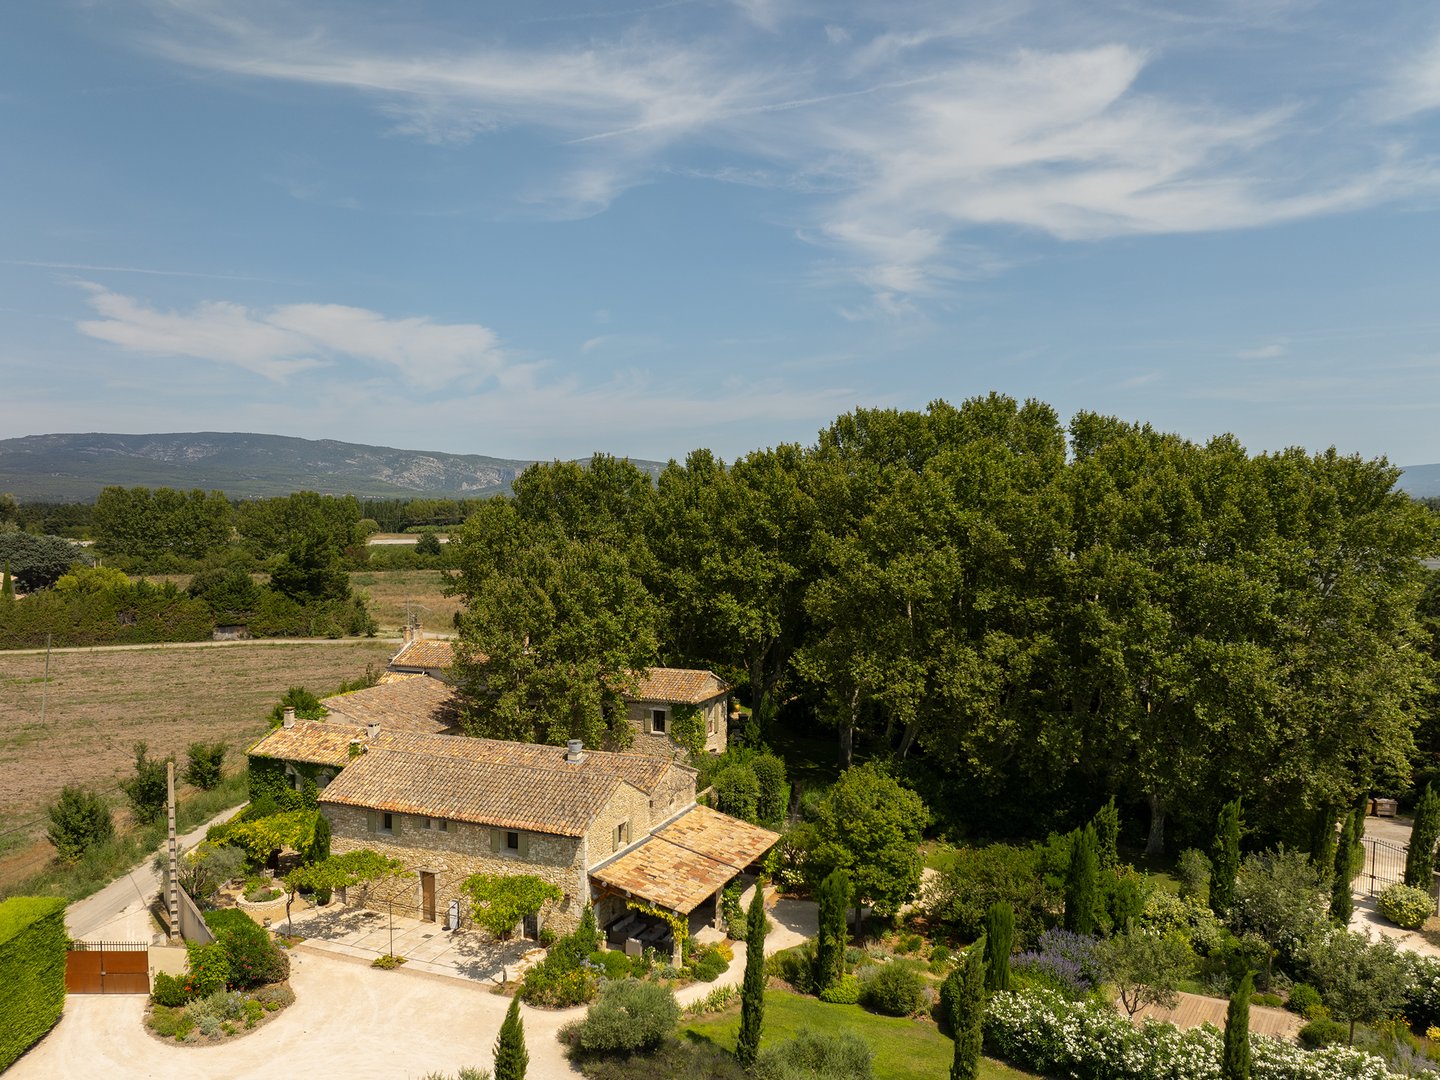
(121, 910)
(251, 643)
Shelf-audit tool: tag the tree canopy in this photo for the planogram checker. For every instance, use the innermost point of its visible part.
(500, 901)
(1003, 602)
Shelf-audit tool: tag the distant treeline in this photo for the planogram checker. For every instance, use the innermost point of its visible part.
(162, 531)
(77, 521)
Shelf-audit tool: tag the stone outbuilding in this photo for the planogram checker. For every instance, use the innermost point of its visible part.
(662, 704)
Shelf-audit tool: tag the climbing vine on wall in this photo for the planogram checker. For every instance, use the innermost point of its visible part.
(687, 727)
(679, 924)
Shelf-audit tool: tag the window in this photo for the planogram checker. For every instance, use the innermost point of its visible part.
(443, 825)
(622, 834)
(439, 824)
(657, 721)
(512, 841)
(387, 823)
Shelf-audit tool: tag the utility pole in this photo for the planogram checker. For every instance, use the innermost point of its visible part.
(45, 682)
(172, 876)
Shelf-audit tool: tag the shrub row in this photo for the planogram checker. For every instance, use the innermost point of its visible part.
(1043, 1032)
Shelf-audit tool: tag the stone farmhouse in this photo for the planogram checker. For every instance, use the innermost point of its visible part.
(613, 829)
(662, 696)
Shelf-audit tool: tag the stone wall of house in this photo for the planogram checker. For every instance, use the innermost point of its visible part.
(675, 791)
(453, 855)
(628, 804)
(655, 744)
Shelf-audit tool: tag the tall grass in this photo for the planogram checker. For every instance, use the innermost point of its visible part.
(104, 863)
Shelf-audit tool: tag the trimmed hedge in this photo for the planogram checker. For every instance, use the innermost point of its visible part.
(32, 970)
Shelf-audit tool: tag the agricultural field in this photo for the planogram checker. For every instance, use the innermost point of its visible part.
(390, 590)
(391, 593)
(100, 702)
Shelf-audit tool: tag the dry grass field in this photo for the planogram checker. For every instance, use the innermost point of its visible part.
(100, 702)
(390, 589)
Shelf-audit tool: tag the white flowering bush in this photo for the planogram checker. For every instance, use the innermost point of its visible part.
(1422, 994)
(1042, 1031)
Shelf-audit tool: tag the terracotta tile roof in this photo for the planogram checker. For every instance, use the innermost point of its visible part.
(689, 686)
(688, 860)
(317, 742)
(416, 704)
(666, 875)
(719, 836)
(400, 774)
(685, 685)
(640, 770)
(427, 653)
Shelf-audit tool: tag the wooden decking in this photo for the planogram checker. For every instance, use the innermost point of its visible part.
(1192, 1010)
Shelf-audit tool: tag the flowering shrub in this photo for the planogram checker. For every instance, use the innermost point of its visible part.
(1165, 912)
(1422, 995)
(1406, 907)
(1042, 1031)
(1062, 961)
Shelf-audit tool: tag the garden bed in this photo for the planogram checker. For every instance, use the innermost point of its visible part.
(221, 1017)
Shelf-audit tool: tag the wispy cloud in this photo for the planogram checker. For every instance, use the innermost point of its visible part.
(904, 132)
(285, 341)
(1414, 85)
(92, 268)
(1262, 352)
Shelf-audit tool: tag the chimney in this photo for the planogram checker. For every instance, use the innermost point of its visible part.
(574, 751)
(289, 720)
(372, 730)
(409, 633)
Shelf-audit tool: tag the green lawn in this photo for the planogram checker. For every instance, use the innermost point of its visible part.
(904, 1049)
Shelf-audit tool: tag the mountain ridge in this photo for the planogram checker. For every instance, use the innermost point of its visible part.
(75, 466)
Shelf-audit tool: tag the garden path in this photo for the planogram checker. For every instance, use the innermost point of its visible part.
(1194, 1010)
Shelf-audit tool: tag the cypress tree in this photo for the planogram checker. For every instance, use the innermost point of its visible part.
(319, 849)
(1322, 839)
(1420, 858)
(834, 898)
(1107, 835)
(968, 1014)
(1357, 853)
(511, 1057)
(752, 991)
(1082, 883)
(999, 941)
(7, 587)
(1342, 904)
(1225, 858)
(1235, 1064)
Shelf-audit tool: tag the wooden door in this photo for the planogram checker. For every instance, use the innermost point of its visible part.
(427, 896)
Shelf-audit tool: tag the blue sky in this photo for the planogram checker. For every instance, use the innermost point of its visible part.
(546, 228)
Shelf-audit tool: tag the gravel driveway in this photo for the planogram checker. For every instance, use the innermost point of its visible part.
(348, 1020)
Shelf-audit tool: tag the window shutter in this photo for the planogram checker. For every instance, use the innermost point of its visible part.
(645, 723)
(524, 848)
(497, 840)
(370, 820)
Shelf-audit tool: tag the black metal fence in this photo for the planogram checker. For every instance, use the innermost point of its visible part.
(1384, 864)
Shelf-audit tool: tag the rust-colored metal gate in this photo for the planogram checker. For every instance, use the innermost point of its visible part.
(107, 967)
